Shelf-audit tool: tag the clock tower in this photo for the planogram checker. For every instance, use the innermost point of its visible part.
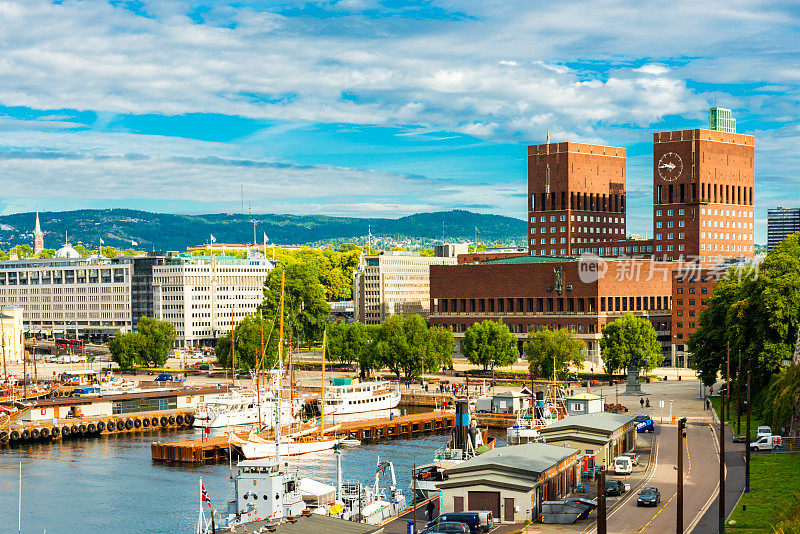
(703, 184)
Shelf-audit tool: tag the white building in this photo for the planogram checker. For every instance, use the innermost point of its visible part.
(203, 296)
(395, 282)
(69, 295)
(11, 338)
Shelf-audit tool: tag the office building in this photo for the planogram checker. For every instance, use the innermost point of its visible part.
(395, 282)
(142, 303)
(781, 223)
(576, 197)
(204, 296)
(68, 295)
(721, 120)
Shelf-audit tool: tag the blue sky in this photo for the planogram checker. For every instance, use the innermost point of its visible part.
(374, 108)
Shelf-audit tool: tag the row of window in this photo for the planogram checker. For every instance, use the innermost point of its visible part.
(550, 304)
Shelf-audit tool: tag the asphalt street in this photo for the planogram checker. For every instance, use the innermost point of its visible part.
(701, 470)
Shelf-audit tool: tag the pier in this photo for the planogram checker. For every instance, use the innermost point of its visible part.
(199, 451)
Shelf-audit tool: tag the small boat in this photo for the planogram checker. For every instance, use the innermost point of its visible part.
(255, 447)
(544, 412)
(357, 397)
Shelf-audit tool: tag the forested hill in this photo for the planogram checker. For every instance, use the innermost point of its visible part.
(163, 231)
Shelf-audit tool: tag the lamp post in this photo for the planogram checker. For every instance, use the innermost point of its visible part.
(681, 436)
(601, 503)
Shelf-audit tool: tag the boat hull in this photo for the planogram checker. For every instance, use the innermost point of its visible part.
(254, 450)
(390, 402)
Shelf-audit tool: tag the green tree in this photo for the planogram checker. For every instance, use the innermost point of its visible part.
(46, 253)
(80, 249)
(547, 348)
(440, 349)
(347, 247)
(109, 252)
(490, 341)
(756, 311)
(305, 305)
(22, 251)
(126, 348)
(627, 338)
(426, 252)
(157, 339)
(247, 344)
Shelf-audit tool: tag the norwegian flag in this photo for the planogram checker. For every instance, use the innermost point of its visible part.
(204, 494)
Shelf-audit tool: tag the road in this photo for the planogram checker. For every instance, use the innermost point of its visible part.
(701, 467)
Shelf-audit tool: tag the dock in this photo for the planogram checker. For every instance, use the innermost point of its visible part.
(213, 449)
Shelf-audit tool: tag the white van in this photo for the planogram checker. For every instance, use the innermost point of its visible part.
(766, 443)
(623, 465)
(763, 431)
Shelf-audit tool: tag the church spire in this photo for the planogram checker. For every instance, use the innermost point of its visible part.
(38, 237)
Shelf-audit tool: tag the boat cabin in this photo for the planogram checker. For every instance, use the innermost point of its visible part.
(265, 489)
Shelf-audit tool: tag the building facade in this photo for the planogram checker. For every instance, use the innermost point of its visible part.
(394, 283)
(69, 295)
(576, 197)
(12, 339)
(781, 223)
(533, 292)
(204, 296)
(703, 191)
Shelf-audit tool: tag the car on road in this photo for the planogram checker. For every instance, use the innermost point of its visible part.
(449, 527)
(644, 423)
(615, 487)
(633, 456)
(648, 497)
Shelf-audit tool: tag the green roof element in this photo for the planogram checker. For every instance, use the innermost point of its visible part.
(531, 259)
(530, 457)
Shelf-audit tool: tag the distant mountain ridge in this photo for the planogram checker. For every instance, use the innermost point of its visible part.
(164, 231)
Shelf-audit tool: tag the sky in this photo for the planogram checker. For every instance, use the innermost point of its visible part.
(374, 108)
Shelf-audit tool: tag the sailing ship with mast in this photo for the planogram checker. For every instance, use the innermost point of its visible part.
(301, 441)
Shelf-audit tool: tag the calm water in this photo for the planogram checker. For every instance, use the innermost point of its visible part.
(110, 482)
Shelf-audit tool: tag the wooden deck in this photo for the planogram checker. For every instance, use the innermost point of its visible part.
(200, 451)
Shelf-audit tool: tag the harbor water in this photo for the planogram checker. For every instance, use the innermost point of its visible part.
(110, 484)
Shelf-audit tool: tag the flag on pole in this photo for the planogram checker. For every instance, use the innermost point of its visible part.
(476, 230)
(102, 242)
(265, 238)
(134, 243)
(204, 494)
(213, 239)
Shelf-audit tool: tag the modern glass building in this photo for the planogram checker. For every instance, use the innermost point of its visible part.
(780, 224)
(722, 120)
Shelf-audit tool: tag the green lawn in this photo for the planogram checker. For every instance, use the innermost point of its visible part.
(774, 495)
(754, 421)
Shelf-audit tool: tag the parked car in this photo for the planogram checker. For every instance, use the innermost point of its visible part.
(763, 431)
(486, 519)
(648, 497)
(471, 519)
(166, 377)
(615, 487)
(766, 443)
(623, 465)
(633, 456)
(448, 527)
(644, 423)
(204, 367)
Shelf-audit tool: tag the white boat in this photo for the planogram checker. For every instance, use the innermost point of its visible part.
(255, 447)
(360, 397)
(241, 408)
(263, 490)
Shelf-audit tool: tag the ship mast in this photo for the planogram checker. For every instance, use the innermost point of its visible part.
(233, 351)
(322, 398)
(258, 371)
(280, 370)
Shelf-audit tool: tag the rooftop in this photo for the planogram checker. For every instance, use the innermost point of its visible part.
(531, 259)
(584, 396)
(532, 457)
(603, 421)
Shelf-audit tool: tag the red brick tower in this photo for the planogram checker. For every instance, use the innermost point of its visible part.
(576, 197)
(702, 195)
(38, 237)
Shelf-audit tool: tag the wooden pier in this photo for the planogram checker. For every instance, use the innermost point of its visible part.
(199, 451)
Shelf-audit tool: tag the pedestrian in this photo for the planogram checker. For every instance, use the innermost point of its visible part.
(647, 402)
(641, 402)
(429, 510)
(708, 405)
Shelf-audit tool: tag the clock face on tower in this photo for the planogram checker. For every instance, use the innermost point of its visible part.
(670, 167)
